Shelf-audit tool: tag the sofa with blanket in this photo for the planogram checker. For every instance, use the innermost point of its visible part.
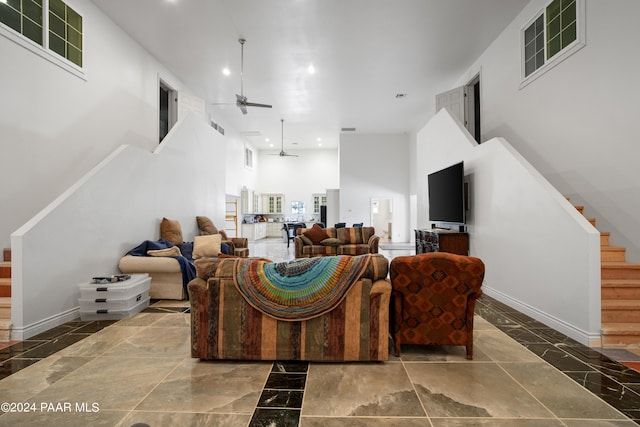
(318, 241)
(170, 261)
(314, 309)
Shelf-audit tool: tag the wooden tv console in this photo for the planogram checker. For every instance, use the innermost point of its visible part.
(442, 240)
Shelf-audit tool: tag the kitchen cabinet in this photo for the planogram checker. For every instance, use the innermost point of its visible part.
(250, 201)
(255, 231)
(273, 203)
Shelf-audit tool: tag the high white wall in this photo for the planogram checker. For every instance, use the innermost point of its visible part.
(576, 123)
(375, 166)
(313, 171)
(542, 256)
(112, 209)
(55, 126)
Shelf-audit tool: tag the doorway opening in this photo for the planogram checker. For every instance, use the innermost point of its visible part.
(472, 107)
(382, 217)
(167, 113)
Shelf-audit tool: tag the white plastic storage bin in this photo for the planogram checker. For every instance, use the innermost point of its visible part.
(117, 290)
(90, 304)
(114, 301)
(113, 314)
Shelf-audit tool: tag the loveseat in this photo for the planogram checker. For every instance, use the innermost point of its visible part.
(231, 322)
(318, 241)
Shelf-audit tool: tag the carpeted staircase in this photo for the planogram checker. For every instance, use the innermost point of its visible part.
(620, 282)
(5, 296)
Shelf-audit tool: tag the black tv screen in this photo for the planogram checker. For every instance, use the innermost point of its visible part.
(446, 194)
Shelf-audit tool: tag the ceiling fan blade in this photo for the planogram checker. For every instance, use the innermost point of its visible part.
(253, 104)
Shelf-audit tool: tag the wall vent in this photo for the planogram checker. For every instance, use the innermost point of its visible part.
(348, 129)
(217, 127)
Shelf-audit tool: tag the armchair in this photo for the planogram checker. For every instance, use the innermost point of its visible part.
(433, 299)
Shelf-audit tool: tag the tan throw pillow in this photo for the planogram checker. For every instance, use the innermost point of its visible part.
(171, 230)
(316, 234)
(206, 226)
(206, 246)
(172, 251)
(306, 240)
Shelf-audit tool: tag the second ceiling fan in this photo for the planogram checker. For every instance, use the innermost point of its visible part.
(282, 152)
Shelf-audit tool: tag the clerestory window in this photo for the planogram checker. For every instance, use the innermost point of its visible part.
(50, 25)
(551, 36)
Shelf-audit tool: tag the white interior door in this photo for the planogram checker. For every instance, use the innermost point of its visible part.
(452, 100)
(382, 217)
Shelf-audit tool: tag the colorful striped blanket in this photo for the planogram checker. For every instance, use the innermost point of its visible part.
(300, 289)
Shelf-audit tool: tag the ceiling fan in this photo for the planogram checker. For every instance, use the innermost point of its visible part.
(241, 101)
(282, 153)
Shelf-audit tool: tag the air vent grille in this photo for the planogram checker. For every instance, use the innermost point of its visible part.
(348, 129)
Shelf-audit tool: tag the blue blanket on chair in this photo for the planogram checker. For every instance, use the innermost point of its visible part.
(186, 260)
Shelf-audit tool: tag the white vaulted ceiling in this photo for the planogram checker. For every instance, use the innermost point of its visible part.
(364, 52)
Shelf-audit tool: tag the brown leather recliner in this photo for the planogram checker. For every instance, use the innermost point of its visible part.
(433, 299)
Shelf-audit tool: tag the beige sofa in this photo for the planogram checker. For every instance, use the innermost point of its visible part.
(165, 273)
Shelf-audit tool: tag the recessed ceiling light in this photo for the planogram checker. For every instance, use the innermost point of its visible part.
(267, 140)
(271, 145)
(320, 144)
(319, 139)
(311, 69)
(226, 71)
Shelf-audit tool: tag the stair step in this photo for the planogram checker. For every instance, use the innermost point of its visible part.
(613, 253)
(592, 221)
(620, 311)
(621, 335)
(6, 254)
(604, 238)
(5, 329)
(5, 287)
(620, 289)
(580, 208)
(5, 269)
(619, 270)
(5, 307)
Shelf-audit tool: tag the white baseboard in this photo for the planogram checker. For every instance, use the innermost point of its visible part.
(582, 336)
(27, 331)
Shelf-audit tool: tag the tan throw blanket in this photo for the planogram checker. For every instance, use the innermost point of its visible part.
(300, 289)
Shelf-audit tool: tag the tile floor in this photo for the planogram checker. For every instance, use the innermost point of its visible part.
(138, 371)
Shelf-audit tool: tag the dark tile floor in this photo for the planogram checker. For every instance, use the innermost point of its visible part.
(282, 395)
(612, 381)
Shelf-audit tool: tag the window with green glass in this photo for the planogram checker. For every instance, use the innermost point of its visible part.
(552, 34)
(65, 31)
(561, 25)
(534, 46)
(24, 17)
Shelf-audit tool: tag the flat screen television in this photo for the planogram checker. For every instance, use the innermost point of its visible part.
(446, 194)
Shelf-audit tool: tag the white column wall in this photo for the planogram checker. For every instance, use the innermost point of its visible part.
(375, 166)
